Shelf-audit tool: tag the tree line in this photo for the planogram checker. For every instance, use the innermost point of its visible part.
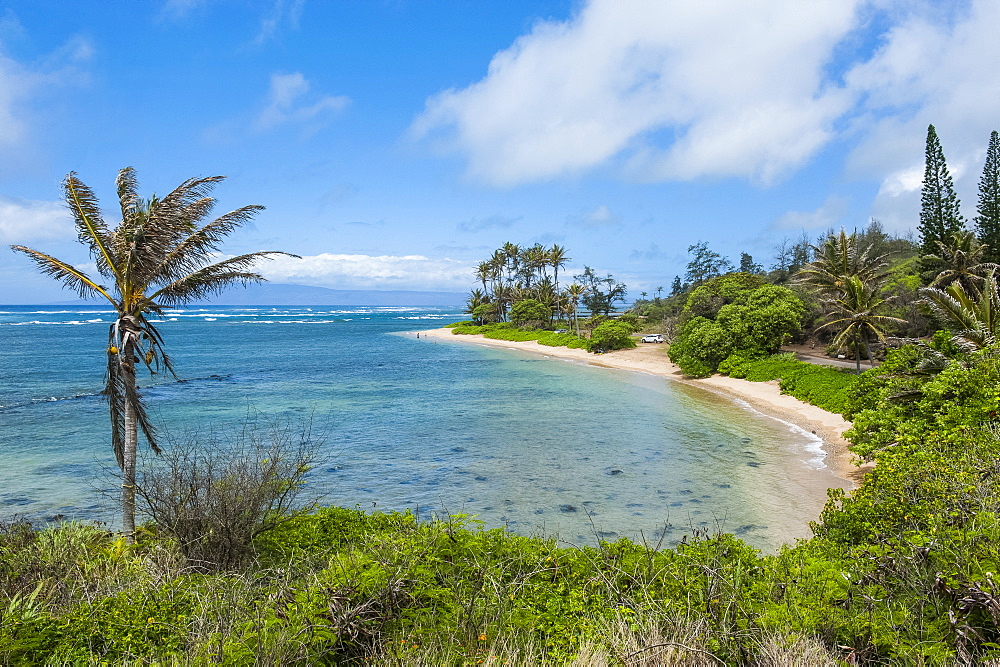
(856, 292)
(521, 284)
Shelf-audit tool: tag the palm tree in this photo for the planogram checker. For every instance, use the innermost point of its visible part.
(534, 261)
(837, 260)
(854, 311)
(484, 272)
(962, 262)
(158, 257)
(973, 318)
(557, 260)
(573, 295)
(511, 253)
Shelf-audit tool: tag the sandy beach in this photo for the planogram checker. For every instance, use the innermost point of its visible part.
(765, 397)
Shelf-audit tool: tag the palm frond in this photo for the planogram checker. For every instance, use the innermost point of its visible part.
(958, 311)
(128, 195)
(213, 279)
(178, 213)
(114, 394)
(837, 260)
(192, 252)
(90, 226)
(71, 277)
(121, 390)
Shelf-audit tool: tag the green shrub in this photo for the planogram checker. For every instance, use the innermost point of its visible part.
(215, 494)
(530, 313)
(632, 320)
(507, 331)
(750, 320)
(611, 335)
(700, 347)
(823, 386)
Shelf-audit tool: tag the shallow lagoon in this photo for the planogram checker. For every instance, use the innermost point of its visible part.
(536, 444)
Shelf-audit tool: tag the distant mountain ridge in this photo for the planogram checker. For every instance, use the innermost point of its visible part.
(272, 294)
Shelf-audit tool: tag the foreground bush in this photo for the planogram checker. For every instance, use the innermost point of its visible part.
(612, 335)
(214, 494)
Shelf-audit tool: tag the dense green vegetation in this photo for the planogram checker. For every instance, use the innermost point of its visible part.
(734, 314)
(520, 284)
(823, 386)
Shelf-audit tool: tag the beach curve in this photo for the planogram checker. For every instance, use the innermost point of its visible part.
(764, 397)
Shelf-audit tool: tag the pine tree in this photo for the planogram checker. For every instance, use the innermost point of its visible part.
(747, 265)
(940, 217)
(676, 287)
(988, 221)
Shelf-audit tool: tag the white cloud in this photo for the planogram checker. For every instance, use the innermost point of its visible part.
(413, 272)
(737, 88)
(282, 12)
(21, 87)
(285, 103)
(602, 216)
(829, 215)
(936, 65)
(24, 221)
(903, 181)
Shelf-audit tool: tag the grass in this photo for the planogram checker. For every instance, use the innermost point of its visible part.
(506, 331)
(823, 386)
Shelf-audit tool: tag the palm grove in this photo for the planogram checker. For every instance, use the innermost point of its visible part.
(851, 292)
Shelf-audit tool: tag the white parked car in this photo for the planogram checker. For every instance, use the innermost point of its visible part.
(652, 338)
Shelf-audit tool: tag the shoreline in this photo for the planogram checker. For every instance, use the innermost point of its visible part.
(764, 397)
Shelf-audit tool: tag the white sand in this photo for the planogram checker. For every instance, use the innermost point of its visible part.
(765, 397)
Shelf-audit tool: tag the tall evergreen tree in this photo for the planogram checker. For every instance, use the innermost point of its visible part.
(747, 265)
(940, 217)
(988, 221)
(676, 287)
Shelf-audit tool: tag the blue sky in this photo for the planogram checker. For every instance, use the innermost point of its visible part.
(396, 143)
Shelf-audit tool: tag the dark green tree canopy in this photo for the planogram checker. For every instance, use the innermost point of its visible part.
(743, 316)
(747, 265)
(530, 313)
(707, 299)
(601, 293)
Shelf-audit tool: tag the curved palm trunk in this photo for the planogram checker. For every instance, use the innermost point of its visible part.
(128, 462)
(868, 351)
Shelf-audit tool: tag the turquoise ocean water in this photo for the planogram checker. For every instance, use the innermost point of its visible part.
(537, 444)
